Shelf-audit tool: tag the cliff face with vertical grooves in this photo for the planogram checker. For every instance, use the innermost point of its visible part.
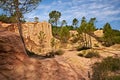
(31, 32)
(15, 65)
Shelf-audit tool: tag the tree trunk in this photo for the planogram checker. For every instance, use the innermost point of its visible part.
(85, 40)
(16, 2)
(56, 23)
(90, 45)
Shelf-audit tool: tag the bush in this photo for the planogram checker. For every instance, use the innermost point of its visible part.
(117, 39)
(102, 70)
(91, 54)
(80, 54)
(53, 53)
(59, 52)
(82, 48)
(108, 43)
(96, 45)
(113, 78)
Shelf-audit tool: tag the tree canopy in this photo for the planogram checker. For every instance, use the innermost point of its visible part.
(36, 19)
(54, 17)
(63, 23)
(9, 19)
(75, 22)
(107, 30)
(18, 8)
(64, 34)
(24, 5)
(85, 29)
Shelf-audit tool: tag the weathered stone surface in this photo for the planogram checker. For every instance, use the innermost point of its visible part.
(99, 33)
(31, 32)
(15, 65)
(10, 42)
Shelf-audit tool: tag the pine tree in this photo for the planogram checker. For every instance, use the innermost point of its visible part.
(54, 17)
(82, 31)
(64, 34)
(108, 34)
(75, 22)
(90, 28)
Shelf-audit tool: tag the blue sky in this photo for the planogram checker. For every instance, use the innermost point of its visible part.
(103, 10)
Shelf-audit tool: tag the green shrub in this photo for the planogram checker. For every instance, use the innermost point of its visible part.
(53, 53)
(108, 43)
(112, 63)
(102, 70)
(59, 52)
(117, 39)
(91, 54)
(80, 54)
(82, 48)
(96, 45)
(113, 78)
(84, 52)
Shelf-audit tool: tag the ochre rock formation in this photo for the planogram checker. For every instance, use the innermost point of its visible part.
(15, 65)
(99, 33)
(94, 36)
(31, 32)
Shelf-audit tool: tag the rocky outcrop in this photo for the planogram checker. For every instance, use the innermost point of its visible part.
(31, 32)
(99, 33)
(15, 65)
(10, 42)
(95, 37)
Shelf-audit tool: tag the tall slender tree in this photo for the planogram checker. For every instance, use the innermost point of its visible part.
(19, 7)
(75, 22)
(64, 35)
(36, 19)
(54, 17)
(82, 31)
(90, 28)
(63, 23)
(108, 34)
(85, 29)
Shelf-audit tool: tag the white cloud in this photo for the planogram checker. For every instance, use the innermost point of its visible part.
(103, 10)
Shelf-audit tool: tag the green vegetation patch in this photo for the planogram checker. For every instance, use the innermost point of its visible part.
(59, 52)
(79, 48)
(103, 70)
(89, 54)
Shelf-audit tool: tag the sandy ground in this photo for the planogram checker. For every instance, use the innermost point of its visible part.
(83, 65)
